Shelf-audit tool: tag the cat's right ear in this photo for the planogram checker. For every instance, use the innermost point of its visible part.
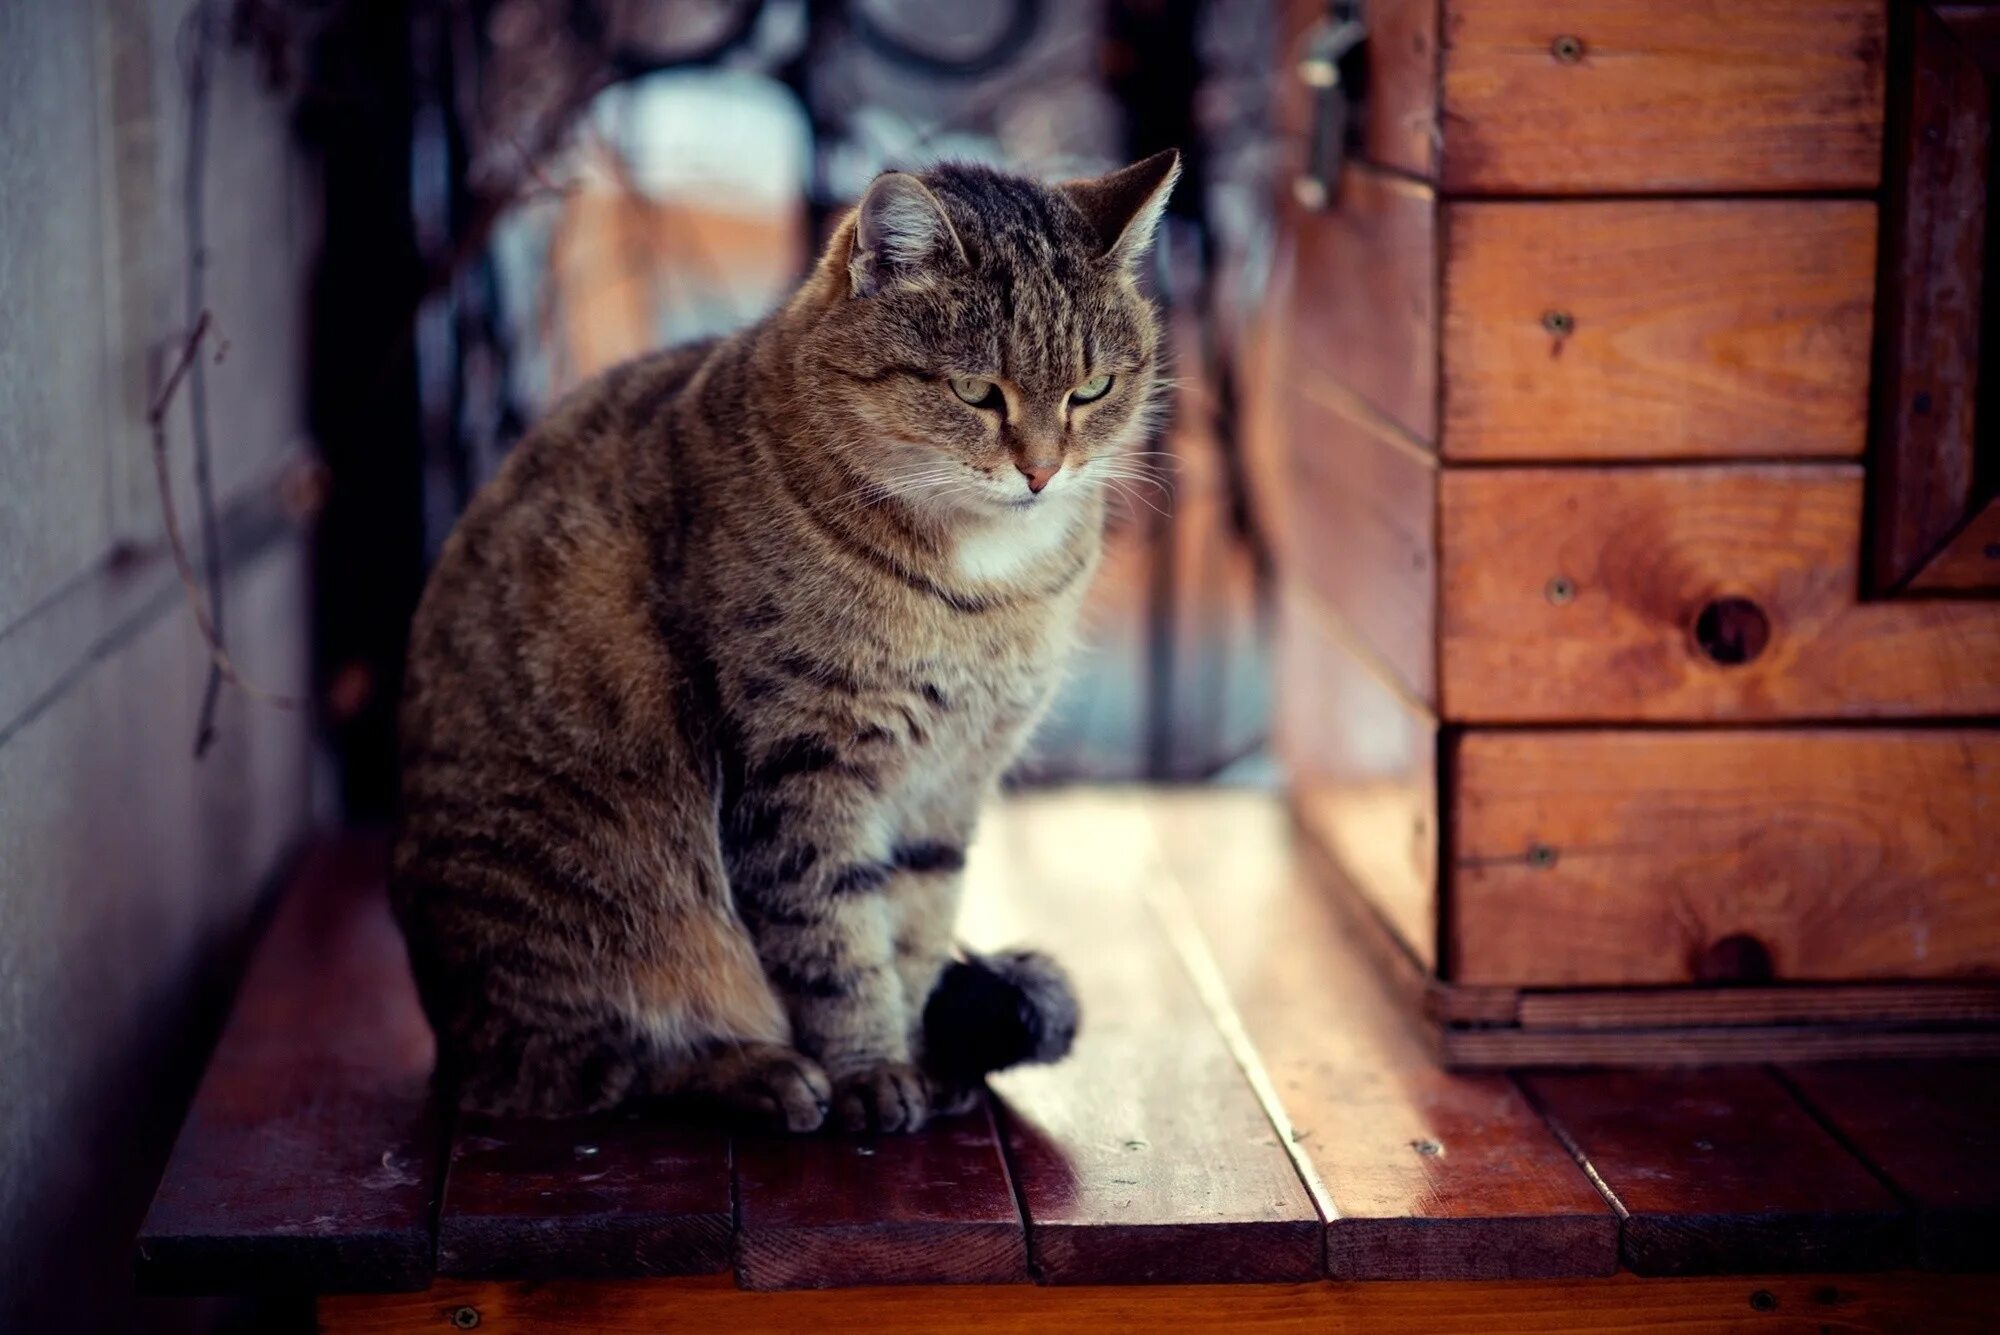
(900, 229)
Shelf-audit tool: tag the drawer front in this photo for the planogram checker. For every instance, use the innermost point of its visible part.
(1618, 96)
(1691, 594)
(1616, 858)
(1662, 329)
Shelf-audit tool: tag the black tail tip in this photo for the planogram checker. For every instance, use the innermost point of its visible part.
(989, 1012)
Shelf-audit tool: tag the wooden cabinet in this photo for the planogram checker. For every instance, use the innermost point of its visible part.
(1633, 420)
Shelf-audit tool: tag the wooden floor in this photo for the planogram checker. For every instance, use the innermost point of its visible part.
(1245, 1107)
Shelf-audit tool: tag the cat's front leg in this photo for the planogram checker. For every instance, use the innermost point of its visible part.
(826, 934)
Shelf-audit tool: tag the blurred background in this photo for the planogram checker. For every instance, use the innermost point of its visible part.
(283, 282)
(580, 182)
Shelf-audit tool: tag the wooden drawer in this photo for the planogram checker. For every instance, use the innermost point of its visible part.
(1663, 329)
(1512, 97)
(1658, 329)
(1618, 858)
(1690, 594)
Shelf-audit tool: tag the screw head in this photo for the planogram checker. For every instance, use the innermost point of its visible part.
(1430, 1149)
(1560, 590)
(465, 1318)
(1541, 857)
(1763, 1300)
(1567, 49)
(1559, 323)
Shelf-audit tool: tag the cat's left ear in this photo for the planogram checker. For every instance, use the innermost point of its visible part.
(899, 229)
(1124, 207)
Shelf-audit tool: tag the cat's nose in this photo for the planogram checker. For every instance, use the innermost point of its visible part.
(1038, 472)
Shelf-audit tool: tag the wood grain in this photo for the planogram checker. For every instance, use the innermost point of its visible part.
(1645, 551)
(1778, 1304)
(1929, 1127)
(930, 1208)
(1362, 528)
(1135, 1160)
(1698, 329)
(1755, 95)
(1362, 764)
(1426, 1175)
(613, 1196)
(1923, 464)
(311, 1157)
(1586, 858)
(1365, 298)
(1721, 1171)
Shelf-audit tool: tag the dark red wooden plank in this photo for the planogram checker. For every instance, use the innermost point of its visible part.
(1423, 1174)
(310, 1158)
(1147, 1156)
(833, 1211)
(607, 1197)
(1932, 1129)
(1722, 1171)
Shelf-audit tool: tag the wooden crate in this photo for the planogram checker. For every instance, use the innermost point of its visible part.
(1630, 418)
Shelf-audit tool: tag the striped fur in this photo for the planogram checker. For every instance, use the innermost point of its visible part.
(703, 703)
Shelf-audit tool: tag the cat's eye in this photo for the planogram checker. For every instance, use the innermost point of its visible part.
(978, 392)
(1094, 388)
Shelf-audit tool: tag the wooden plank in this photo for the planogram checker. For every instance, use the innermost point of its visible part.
(1721, 1171)
(1923, 464)
(1424, 1175)
(1362, 528)
(607, 1197)
(310, 1159)
(1929, 1127)
(1616, 96)
(1587, 858)
(834, 1211)
(1681, 329)
(1781, 1304)
(1365, 297)
(1494, 1049)
(1400, 61)
(1362, 761)
(1857, 1003)
(1597, 594)
(1135, 1160)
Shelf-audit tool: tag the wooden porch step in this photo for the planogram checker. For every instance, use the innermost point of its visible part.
(1245, 1106)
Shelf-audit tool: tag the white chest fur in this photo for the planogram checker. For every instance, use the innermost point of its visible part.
(1004, 548)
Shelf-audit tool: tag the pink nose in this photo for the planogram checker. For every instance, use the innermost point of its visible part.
(1039, 472)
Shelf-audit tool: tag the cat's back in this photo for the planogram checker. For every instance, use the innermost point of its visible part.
(539, 608)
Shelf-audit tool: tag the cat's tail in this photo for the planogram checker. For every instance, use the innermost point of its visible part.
(989, 1012)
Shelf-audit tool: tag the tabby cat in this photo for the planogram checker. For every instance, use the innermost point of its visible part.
(710, 683)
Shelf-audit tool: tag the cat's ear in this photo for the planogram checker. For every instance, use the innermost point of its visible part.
(1124, 206)
(899, 229)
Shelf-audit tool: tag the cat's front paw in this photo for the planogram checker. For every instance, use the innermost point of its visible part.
(889, 1096)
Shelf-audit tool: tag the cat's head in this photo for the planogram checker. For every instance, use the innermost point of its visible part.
(980, 343)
